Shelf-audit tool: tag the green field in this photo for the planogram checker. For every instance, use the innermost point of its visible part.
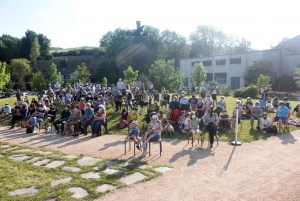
(245, 134)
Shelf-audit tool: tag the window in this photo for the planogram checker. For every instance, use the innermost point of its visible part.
(221, 78)
(67, 77)
(196, 62)
(207, 63)
(235, 61)
(221, 62)
(209, 77)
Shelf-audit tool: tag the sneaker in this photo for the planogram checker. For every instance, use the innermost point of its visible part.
(57, 132)
(75, 135)
(143, 146)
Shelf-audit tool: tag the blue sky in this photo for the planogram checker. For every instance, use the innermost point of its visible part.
(75, 23)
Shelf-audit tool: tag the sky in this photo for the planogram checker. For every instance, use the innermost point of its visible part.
(76, 23)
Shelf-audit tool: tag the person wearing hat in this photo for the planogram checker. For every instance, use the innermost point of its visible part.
(282, 115)
(181, 98)
(153, 133)
(264, 124)
(256, 113)
(134, 132)
(64, 116)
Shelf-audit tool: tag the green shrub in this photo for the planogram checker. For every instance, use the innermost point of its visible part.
(244, 92)
(28, 86)
(49, 56)
(226, 91)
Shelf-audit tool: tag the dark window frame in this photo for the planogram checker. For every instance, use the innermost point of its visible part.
(223, 79)
(235, 60)
(207, 63)
(221, 62)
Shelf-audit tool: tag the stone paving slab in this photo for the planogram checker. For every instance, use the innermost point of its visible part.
(144, 166)
(162, 169)
(43, 152)
(69, 156)
(73, 169)
(78, 192)
(19, 157)
(23, 150)
(109, 163)
(33, 160)
(5, 146)
(124, 164)
(60, 181)
(55, 164)
(113, 171)
(105, 187)
(91, 175)
(133, 178)
(1, 155)
(39, 163)
(10, 149)
(96, 168)
(24, 191)
(87, 161)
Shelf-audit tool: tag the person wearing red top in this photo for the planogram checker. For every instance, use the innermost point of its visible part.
(99, 119)
(81, 106)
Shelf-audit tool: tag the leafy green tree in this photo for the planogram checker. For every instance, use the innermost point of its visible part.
(39, 83)
(262, 67)
(63, 62)
(45, 44)
(164, 74)
(198, 74)
(264, 80)
(26, 43)
(297, 75)
(5, 77)
(83, 72)
(54, 75)
(104, 82)
(20, 68)
(129, 75)
(34, 52)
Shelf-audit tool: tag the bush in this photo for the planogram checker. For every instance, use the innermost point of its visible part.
(49, 57)
(226, 91)
(28, 86)
(250, 91)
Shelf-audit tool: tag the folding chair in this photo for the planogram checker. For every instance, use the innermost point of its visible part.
(160, 146)
(131, 140)
(190, 134)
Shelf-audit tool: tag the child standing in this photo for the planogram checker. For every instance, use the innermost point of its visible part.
(262, 103)
(187, 124)
(195, 129)
(134, 134)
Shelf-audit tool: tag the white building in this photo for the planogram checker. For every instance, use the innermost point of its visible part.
(228, 69)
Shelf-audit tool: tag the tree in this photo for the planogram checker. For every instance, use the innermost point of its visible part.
(164, 74)
(39, 83)
(198, 74)
(297, 75)
(20, 68)
(26, 43)
(104, 82)
(63, 62)
(264, 80)
(129, 75)
(83, 72)
(5, 77)
(54, 75)
(34, 52)
(262, 67)
(44, 43)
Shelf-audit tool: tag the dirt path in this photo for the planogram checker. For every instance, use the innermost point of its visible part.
(263, 170)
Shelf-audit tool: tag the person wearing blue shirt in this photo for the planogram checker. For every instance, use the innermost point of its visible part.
(85, 122)
(282, 115)
(262, 103)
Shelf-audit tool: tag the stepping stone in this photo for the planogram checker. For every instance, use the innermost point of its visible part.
(60, 181)
(5, 146)
(24, 191)
(43, 152)
(88, 161)
(133, 178)
(144, 166)
(91, 175)
(73, 169)
(113, 171)
(19, 157)
(105, 187)
(1, 155)
(96, 168)
(109, 163)
(162, 169)
(24, 150)
(54, 164)
(39, 163)
(78, 192)
(33, 160)
(10, 149)
(69, 156)
(124, 164)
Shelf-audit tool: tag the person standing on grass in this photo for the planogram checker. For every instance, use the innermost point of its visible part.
(214, 94)
(18, 95)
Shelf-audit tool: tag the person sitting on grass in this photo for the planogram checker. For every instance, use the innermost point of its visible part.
(65, 115)
(6, 110)
(75, 117)
(235, 115)
(282, 115)
(297, 110)
(168, 129)
(50, 117)
(186, 124)
(264, 124)
(153, 133)
(200, 108)
(134, 134)
(224, 120)
(193, 101)
(124, 115)
(99, 119)
(20, 113)
(195, 128)
(270, 107)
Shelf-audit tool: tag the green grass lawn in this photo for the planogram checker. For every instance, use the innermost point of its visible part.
(19, 174)
(245, 134)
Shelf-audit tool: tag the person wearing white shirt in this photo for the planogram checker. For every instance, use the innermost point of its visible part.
(78, 84)
(120, 84)
(208, 101)
(57, 87)
(214, 93)
(264, 124)
(221, 105)
(270, 107)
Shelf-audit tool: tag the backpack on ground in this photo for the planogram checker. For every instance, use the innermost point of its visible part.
(29, 129)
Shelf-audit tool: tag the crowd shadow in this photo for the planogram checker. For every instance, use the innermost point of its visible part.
(287, 138)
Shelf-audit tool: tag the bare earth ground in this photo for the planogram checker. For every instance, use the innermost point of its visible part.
(263, 170)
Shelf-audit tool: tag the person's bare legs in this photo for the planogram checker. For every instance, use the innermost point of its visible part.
(280, 124)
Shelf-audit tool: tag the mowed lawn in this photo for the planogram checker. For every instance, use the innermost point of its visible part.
(245, 134)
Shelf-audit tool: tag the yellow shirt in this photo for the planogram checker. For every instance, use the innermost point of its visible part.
(133, 117)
